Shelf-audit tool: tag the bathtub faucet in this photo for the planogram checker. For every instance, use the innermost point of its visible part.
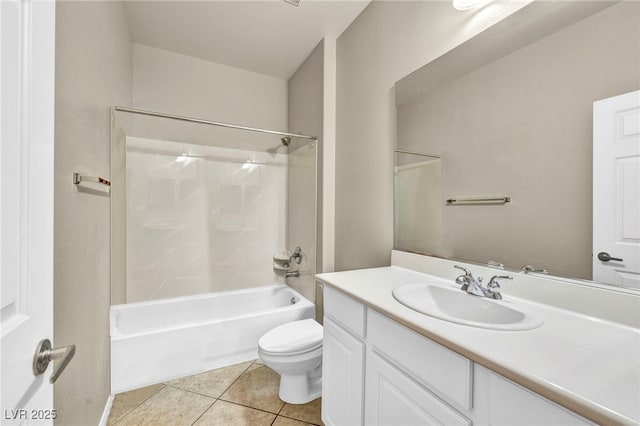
(290, 274)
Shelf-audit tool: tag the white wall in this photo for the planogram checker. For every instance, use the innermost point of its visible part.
(93, 72)
(386, 42)
(171, 82)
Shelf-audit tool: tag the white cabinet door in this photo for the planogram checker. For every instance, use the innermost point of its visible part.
(505, 403)
(342, 376)
(392, 398)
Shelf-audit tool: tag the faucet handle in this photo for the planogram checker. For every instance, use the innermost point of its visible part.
(493, 283)
(528, 268)
(494, 286)
(297, 255)
(494, 264)
(466, 271)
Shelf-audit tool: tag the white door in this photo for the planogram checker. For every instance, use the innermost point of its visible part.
(26, 206)
(616, 190)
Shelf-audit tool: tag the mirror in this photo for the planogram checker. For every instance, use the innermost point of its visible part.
(507, 122)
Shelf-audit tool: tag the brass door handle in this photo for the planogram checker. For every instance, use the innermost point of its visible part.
(44, 355)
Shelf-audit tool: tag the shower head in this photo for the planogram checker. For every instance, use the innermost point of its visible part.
(286, 140)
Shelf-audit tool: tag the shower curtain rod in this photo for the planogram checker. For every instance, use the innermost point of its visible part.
(212, 123)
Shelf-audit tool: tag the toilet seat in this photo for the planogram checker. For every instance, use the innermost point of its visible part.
(292, 338)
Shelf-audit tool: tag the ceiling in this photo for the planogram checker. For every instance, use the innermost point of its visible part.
(268, 37)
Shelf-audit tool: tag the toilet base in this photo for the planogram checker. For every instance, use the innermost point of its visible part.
(301, 388)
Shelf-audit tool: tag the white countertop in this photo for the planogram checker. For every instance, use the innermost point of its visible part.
(588, 365)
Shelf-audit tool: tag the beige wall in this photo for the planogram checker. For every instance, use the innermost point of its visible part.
(170, 82)
(386, 42)
(305, 100)
(93, 72)
(522, 126)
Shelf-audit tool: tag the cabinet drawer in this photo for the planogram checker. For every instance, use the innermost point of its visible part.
(445, 372)
(344, 310)
(392, 398)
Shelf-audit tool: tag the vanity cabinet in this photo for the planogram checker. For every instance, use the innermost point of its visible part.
(379, 372)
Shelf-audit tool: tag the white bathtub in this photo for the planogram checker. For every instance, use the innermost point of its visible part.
(152, 342)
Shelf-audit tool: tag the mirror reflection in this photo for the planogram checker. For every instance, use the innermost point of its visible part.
(522, 126)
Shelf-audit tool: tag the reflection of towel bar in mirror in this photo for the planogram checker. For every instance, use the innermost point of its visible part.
(478, 200)
(105, 185)
(422, 154)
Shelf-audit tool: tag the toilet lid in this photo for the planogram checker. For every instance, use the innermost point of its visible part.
(293, 337)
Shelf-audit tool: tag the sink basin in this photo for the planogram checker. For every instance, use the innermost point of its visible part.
(455, 305)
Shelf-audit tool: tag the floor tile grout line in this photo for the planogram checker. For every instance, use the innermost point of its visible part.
(215, 399)
(292, 418)
(248, 406)
(283, 404)
(300, 420)
(209, 396)
(193, 392)
(204, 412)
(165, 385)
(237, 378)
(297, 420)
(278, 415)
(136, 406)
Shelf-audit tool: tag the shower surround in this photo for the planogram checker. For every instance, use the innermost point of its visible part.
(201, 219)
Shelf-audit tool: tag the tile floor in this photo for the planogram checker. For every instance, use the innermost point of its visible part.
(242, 394)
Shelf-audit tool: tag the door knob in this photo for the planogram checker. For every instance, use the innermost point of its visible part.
(44, 355)
(605, 257)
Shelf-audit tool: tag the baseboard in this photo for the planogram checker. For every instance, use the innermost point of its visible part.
(106, 412)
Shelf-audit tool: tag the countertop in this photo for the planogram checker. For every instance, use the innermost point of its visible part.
(588, 365)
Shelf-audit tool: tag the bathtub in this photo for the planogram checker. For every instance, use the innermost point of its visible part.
(152, 342)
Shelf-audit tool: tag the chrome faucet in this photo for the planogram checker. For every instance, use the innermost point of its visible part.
(474, 286)
(469, 283)
(290, 274)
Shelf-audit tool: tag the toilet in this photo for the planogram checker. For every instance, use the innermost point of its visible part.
(294, 350)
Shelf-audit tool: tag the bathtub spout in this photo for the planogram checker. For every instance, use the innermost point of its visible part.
(290, 274)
